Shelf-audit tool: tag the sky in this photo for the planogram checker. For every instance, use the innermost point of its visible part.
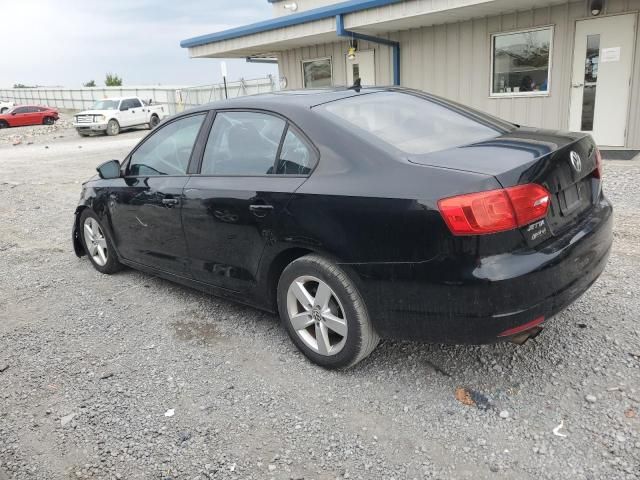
(75, 41)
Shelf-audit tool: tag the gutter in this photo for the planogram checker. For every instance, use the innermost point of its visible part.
(342, 32)
(320, 13)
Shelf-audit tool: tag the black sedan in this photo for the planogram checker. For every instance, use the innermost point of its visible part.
(358, 214)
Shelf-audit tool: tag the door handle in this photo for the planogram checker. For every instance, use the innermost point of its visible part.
(260, 209)
(169, 202)
(577, 85)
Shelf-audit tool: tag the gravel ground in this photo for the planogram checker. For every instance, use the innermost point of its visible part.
(133, 377)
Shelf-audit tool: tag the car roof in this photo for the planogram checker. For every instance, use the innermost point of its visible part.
(306, 98)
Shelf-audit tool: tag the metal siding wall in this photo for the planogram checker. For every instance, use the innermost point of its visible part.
(454, 61)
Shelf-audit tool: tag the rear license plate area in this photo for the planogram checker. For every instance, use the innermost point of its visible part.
(574, 197)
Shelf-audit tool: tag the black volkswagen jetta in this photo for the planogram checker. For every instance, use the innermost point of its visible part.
(358, 214)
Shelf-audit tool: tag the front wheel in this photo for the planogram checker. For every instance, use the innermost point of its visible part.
(4, 124)
(97, 244)
(324, 313)
(113, 127)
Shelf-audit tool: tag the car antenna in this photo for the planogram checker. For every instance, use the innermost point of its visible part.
(356, 85)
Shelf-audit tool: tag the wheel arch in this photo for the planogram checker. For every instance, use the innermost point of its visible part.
(275, 269)
(78, 247)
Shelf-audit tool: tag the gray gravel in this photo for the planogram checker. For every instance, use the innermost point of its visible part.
(132, 377)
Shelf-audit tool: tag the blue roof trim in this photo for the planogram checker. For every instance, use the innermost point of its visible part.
(287, 21)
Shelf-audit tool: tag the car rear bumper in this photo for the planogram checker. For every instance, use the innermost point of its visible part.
(486, 295)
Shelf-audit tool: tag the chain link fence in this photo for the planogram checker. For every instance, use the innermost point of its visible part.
(175, 97)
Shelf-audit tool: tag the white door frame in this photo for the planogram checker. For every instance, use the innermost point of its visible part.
(347, 62)
(632, 82)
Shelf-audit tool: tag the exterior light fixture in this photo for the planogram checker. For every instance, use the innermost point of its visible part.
(596, 7)
(293, 6)
(353, 48)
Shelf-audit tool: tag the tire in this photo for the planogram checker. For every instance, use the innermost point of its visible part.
(153, 121)
(309, 277)
(48, 121)
(98, 246)
(3, 110)
(4, 124)
(113, 127)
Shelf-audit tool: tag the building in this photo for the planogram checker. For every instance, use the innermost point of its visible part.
(552, 64)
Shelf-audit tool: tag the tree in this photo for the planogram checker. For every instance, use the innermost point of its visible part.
(90, 83)
(113, 80)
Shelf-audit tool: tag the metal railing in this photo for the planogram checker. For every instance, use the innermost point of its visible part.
(177, 98)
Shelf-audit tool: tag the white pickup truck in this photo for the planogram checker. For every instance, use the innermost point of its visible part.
(115, 114)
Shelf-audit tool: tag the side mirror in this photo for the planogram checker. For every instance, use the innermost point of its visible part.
(110, 169)
(13, 113)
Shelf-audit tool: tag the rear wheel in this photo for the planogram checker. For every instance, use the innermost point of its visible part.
(113, 127)
(153, 122)
(97, 244)
(48, 121)
(324, 313)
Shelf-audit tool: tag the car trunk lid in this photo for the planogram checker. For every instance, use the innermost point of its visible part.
(564, 163)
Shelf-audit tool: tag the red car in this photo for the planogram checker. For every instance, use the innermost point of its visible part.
(28, 115)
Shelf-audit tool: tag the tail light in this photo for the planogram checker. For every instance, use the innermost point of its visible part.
(494, 210)
(598, 171)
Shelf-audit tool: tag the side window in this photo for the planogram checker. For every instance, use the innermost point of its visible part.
(295, 156)
(168, 150)
(134, 103)
(242, 143)
(21, 110)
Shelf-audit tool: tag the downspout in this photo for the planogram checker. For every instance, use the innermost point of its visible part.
(395, 46)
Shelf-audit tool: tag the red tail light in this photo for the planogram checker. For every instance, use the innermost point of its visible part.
(598, 171)
(494, 210)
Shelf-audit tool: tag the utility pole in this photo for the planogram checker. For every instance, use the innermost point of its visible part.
(223, 68)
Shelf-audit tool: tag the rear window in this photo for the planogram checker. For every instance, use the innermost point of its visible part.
(412, 124)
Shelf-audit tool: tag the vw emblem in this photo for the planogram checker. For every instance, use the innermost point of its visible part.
(576, 161)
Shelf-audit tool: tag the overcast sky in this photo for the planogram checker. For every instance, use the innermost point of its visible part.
(69, 42)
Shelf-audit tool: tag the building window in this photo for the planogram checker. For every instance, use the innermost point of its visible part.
(317, 73)
(521, 62)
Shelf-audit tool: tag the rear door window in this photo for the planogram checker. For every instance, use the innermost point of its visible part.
(410, 123)
(243, 143)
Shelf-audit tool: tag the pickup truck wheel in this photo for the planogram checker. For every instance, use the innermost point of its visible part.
(3, 110)
(48, 121)
(113, 127)
(154, 121)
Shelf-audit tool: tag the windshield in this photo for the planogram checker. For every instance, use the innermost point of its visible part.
(410, 123)
(105, 105)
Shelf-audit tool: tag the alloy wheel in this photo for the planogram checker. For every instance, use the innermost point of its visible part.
(95, 241)
(317, 316)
